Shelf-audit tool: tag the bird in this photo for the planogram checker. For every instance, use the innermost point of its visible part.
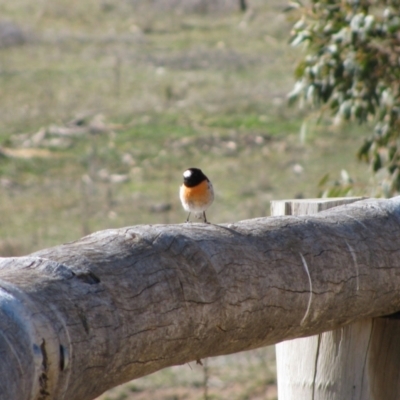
(196, 193)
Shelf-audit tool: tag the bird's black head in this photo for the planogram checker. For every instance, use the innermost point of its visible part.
(193, 176)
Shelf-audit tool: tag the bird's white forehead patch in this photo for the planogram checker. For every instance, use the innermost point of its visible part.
(187, 173)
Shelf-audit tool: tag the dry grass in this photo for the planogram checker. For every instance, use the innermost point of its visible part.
(242, 376)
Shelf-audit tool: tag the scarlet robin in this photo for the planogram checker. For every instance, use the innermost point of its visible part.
(196, 193)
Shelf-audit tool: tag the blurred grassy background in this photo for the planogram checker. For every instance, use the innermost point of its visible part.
(104, 103)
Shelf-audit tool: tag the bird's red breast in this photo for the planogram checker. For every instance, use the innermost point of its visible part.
(197, 196)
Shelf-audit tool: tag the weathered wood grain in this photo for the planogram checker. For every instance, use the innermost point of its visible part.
(82, 317)
(359, 361)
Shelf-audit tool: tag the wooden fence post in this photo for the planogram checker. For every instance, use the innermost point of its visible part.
(360, 361)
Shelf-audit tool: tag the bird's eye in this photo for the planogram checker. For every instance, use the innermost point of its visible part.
(187, 174)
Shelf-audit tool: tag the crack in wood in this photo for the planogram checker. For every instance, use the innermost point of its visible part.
(43, 377)
(310, 291)
(316, 366)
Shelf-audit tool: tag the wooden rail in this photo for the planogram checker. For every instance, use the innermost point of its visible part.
(80, 318)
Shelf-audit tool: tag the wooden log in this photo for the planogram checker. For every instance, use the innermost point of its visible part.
(357, 361)
(80, 318)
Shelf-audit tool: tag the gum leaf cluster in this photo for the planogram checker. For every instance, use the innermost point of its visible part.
(352, 69)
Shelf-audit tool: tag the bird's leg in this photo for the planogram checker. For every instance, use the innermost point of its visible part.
(205, 218)
(187, 219)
